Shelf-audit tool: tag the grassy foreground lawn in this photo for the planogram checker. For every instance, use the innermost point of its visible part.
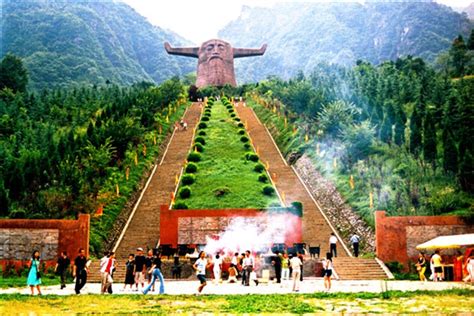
(223, 168)
(452, 301)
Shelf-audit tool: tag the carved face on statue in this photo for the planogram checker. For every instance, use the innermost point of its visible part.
(215, 61)
(216, 64)
(215, 49)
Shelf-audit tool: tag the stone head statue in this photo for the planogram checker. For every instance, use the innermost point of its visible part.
(215, 61)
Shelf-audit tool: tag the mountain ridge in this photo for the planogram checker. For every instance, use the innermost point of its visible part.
(299, 36)
(66, 43)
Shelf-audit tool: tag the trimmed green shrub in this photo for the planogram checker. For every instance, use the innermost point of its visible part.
(199, 147)
(241, 131)
(259, 167)
(233, 115)
(244, 139)
(229, 107)
(194, 157)
(201, 140)
(185, 192)
(268, 190)
(251, 156)
(202, 125)
(231, 111)
(263, 178)
(202, 133)
(180, 206)
(205, 119)
(188, 179)
(241, 125)
(191, 167)
(236, 119)
(247, 146)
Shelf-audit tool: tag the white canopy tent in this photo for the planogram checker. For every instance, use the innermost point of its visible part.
(448, 242)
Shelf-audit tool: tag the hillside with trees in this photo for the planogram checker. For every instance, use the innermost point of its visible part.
(299, 36)
(396, 136)
(81, 150)
(69, 43)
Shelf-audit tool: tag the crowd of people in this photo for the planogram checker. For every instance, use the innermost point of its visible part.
(142, 272)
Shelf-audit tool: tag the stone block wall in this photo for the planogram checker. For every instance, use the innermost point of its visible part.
(397, 236)
(19, 237)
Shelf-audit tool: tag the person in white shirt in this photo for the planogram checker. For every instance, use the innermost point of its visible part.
(333, 245)
(200, 267)
(248, 264)
(355, 244)
(107, 265)
(296, 265)
(217, 269)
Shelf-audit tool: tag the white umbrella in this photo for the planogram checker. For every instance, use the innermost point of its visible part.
(447, 242)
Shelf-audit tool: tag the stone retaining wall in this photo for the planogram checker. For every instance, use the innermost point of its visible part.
(398, 236)
(19, 237)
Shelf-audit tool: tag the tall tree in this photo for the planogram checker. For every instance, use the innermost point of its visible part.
(416, 122)
(458, 54)
(429, 137)
(13, 74)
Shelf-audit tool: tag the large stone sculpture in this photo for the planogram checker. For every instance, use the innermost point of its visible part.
(215, 61)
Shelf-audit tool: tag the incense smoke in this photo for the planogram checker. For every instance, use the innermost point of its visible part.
(256, 234)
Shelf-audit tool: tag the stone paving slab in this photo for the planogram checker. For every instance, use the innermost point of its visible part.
(309, 285)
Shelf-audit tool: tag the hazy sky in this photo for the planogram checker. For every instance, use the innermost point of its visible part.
(201, 20)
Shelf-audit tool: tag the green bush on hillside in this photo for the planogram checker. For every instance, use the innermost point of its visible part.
(198, 147)
(259, 167)
(241, 125)
(251, 156)
(262, 178)
(268, 190)
(244, 139)
(247, 146)
(201, 140)
(236, 119)
(202, 133)
(194, 157)
(191, 167)
(241, 132)
(233, 115)
(205, 119)
(202, 125)
(188, 179)
(185, 192)
(180, 206)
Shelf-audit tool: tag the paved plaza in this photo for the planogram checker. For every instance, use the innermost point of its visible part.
(309, 285)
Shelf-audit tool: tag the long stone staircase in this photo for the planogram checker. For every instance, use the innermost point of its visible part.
(316, 229)
(143, 226)
(316, 226)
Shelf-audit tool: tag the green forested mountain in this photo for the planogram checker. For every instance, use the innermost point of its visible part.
(299, 36)
(68, 42)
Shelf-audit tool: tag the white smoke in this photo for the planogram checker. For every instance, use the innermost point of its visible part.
(256, 234)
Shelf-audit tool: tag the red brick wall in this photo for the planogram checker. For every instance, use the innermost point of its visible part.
(73, 234)
(169, 222)
(395, 236)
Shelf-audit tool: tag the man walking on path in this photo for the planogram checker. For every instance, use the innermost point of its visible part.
(296, 265)
(61, 268)
(333, 245)
(139, 268)
(106, 272)
(277, 265)
(355, 244)
(200, 267)
(80, 270)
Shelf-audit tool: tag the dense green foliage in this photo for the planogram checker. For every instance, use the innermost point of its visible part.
(64, 152)
(301, 35)
(66, 44)
(401, 129)
(13, 74)
(224, 176)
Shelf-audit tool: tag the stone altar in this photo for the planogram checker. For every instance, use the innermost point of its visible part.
(215, 60)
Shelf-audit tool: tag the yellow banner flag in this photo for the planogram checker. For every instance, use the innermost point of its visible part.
(283, 198)
(371, 200)
(306, 138)
(136, 159)
(127, 173)
(317, 149)
(334, 163)
(117, 189)
(144, 150)
(351, 182)
(176, 179)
